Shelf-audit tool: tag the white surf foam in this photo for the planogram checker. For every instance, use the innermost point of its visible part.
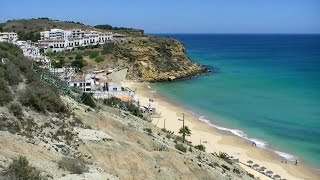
(153, 91)
(259, 143)
(287, 156)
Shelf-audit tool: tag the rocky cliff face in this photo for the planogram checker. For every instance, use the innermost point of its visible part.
(156, 59)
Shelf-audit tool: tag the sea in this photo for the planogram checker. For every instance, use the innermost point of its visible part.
(263, 88)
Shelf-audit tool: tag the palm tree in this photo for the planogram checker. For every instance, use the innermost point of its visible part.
(185, 131)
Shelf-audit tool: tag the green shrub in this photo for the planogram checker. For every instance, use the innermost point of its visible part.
(94, 54)
(200, 147)
(42, 98)
(99, 59)
(178, 139)
(6, 95)
(236, 170)
(148, 130)
(108, 48)
(181, 147)
(225, 167)
(78, 56)
(16, 109)
(13, 74)
(73, 165)
(88, 100)
(79, 63)
(126, 106)
(20, 169)
(222, 155)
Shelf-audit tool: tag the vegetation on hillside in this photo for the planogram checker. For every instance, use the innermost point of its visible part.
(122, 29)
(20, 169)
(16, 71)
(126, 106)
(73, 165)
(29, 29)
(184, 131)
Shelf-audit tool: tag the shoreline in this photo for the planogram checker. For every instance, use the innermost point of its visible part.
(215, 139)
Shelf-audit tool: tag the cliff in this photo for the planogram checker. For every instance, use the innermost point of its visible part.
(156, 59)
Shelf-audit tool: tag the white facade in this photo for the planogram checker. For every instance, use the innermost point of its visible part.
(83, 82)
(29, 49)
(57, 40)
(8, 37)
(113, 86)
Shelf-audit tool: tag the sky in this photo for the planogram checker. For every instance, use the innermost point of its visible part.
(177, 16)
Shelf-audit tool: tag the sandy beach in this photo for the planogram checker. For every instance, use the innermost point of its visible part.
(216, 140)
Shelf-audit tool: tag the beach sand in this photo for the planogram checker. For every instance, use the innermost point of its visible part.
(217, 140)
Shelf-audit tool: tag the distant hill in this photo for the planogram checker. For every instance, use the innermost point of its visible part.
(29, 29)
(146, 58)
(123, 29)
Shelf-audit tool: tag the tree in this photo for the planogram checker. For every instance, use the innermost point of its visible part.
(79, 63)
(185, 131)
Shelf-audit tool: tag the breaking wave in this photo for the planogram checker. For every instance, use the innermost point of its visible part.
(239, 133)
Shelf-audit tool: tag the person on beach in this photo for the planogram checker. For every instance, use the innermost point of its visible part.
(296, 162)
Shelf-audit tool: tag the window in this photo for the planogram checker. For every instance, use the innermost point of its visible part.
(80, 85)
(88, 84)
(88, 89)
(75, 85)
(114, 89)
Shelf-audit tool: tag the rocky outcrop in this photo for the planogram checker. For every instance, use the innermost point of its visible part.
(156, 59)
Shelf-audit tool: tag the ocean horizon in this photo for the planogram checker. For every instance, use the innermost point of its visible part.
(264, 88)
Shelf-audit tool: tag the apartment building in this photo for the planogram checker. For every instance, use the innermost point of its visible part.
(8, 37)
(57, 40)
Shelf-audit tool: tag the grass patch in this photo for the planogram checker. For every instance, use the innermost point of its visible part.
(16, 109)
(6, 95)
(181, 147)
(200, 147)
(99, 59)
(94, 54)
(20, 169)
(73, 165)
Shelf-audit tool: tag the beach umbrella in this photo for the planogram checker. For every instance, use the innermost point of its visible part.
(269, 172)
(276, 176)
(255, 165)
(262, 168)
(249, 162)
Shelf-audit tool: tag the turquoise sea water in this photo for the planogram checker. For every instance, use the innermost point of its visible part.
(265, 88)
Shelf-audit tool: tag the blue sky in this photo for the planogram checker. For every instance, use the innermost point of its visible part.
(177, 16)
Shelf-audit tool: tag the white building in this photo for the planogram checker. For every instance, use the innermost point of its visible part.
(57, 40)
(29, 49)
(83, 82)
(8, 37)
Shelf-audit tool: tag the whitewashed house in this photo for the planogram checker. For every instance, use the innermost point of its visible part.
(83, 82)
(8, 37)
